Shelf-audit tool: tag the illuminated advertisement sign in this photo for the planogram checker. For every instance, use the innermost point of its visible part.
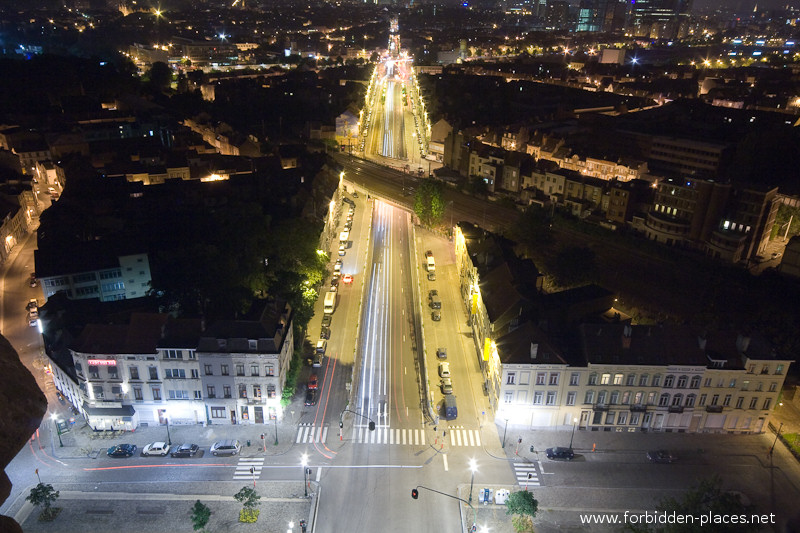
(102, 362)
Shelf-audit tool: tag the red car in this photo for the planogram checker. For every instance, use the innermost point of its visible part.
(312, 382)
(347, 278)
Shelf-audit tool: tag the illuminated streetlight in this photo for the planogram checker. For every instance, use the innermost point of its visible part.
(574, 422)
(304, 464)
(58, 430)
(473, 466)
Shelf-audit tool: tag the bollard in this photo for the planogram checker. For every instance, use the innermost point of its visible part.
(248, 442)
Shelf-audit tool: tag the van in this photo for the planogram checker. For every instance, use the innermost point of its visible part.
(450, 408)
(431, 264)
(322, 345)
(226, 447)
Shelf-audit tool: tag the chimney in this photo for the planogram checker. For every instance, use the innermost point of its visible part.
(701, 342)
(742, 343)
(534, 350)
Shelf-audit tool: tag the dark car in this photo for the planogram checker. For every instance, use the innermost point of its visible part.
(436, 315)
(660, 456)
(185, 450)
(355, 194)
(431, 276)
(335, 281)
(326, 321)
(325, 333)
(559, 452)
(432, 293)
(122, 450)
(311, 397)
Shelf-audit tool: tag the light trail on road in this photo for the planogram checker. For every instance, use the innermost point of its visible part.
(374, 399)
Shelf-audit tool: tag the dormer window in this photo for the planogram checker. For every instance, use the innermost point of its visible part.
(252, 344)
(222, 343)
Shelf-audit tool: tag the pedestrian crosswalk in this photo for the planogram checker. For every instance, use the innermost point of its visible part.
(416, 437)
(527, 475)
(245, 464)
(310, 433)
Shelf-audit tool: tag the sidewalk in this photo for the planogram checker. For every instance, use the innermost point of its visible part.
(167, 507)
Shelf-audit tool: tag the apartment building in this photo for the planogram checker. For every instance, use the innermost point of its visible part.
(626, 378)
(244, 364)
(141, 373)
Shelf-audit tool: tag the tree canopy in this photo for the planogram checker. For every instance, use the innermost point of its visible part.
(429, 203)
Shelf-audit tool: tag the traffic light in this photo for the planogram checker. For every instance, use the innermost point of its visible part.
(414, 493)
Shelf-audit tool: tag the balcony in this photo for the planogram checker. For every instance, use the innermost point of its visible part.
(600, 407)
(638, 408)
(714, 409)
(675, 409)
(255, 401)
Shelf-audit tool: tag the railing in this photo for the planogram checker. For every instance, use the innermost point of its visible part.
(714, 409)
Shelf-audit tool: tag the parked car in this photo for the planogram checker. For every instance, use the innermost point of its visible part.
(428, 253)
(355, 194)
(447, 386)
(441, 353)
(436, 315)
(337, 267)
(156, 448)
(432, 293)
(342, 250)
(444, 370)
(335, 281)
(559, 452)
(121, 450)
(185, 450)
(33, 314)
(431, 276)
(325, 332)
(312, 382)
(347, 279)
(33, 281)
(33, 305)
(660, 456)
(326, 321)
(33, 322)
(226, 447)
(311, 397)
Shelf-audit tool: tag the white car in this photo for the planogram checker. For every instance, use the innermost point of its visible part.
(444, 370)
(156, 448)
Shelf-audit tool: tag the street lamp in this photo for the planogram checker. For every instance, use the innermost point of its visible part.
(504, 433)
(169, 440)
(574, 421)
(304, 464)
(473, 466)
(58, 430)
(778, 434)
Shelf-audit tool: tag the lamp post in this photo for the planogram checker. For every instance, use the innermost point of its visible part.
(778, 434)
(304, 464)
(169, 439)
(276, 429)
(473, 466)
(58, 430)
(504, 433)
(574, 422)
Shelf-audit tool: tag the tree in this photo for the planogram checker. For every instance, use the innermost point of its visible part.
(574, 265)
(249, 499)
(200, 515)
(429, 203)
(160, 75)
(45, 495)
(532, 228)
(705, 498)
(525, 506)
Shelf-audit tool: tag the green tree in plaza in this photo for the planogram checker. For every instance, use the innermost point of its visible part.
(249, 499)
(429, 203)
(524, 507)
(46, 495)
(200, 515)
(160, 75)
(705, 498)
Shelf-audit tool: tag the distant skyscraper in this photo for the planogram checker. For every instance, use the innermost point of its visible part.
(657, 19)
(601, 15)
